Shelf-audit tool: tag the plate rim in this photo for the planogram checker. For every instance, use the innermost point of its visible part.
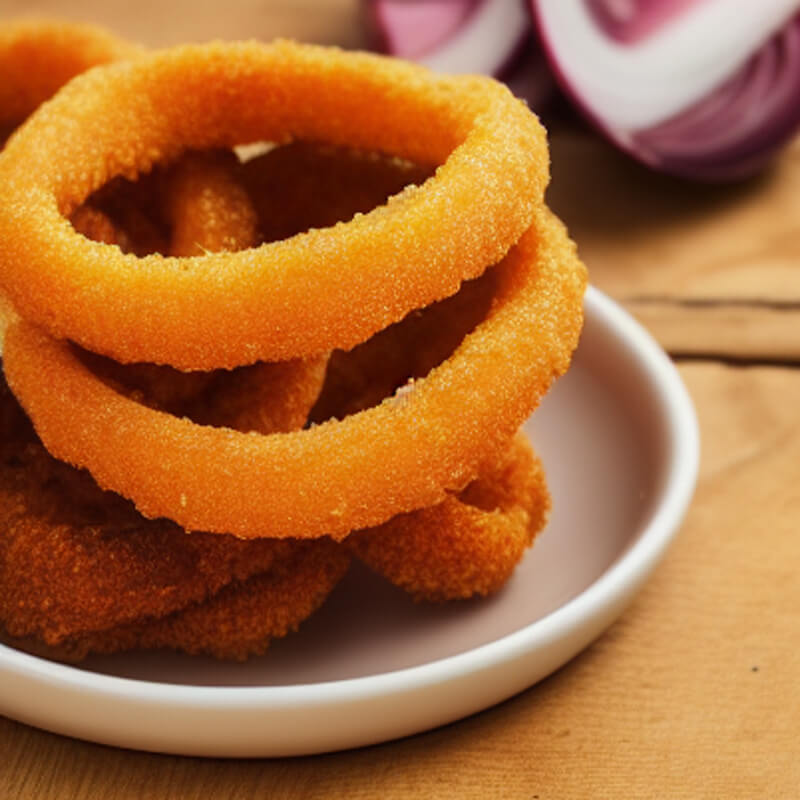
(602, 600)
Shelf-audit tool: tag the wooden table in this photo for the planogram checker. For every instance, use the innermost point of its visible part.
(695, 692)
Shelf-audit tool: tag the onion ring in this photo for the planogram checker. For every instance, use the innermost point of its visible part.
(237, 622)
(241, 619)
(469, 544)
(75, 559)
(207, 209)
(72, 570)
(404, 454)
(38, 57)
(284, 299)
(207, 205)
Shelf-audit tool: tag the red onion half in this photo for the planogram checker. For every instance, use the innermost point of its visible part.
(704, 89)
(490, 37)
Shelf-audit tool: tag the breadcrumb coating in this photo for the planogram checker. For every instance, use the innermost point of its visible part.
(283, 299)
(469, 544)
(37, 57)
(406, 453)
(74, 558)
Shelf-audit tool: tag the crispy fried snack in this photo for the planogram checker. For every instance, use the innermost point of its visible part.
(409, 452)
(37, 57)
(241, 619)
(207, 206)
(81, 570)
(286, 298)
(470, 543)
(238, 622)
(75, 559)
(149, 242)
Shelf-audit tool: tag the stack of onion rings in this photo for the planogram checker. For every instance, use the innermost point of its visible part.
(417, 469)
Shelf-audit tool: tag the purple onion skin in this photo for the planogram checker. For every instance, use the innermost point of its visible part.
(525, 70)
(448, 15)
(732, 133)
(631, 21)
(736, 130)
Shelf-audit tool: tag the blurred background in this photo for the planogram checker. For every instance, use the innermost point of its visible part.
(159, 24)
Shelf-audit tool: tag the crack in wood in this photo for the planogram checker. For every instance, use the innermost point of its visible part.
(730, 360)
(715, 302)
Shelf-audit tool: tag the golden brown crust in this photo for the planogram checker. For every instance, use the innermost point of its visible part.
(470, 543)
(285, 299)
(76, 561)
(207, 205)
(74, 558)
(238, 622)
(37, 57)
(409, 452)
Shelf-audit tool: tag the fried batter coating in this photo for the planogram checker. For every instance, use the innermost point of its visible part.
(38, 57)
(402, 353)
(76, 561)
(288, 296)
(204, 208)
(207, 206)
(469, 544)
(74, 558)
(238, 622)
(264, 397)
(244, 617)
(409, 452)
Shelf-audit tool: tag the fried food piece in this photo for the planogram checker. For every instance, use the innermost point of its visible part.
(470, 543)
(207, 206)
(243, 618)
(37, 57)
(264, 397)
(409, 452)
(238, 622)
(286, 299)
(407, 351)
(194, 206)
(74, 558)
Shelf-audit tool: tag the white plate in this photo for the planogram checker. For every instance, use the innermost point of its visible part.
(619, 440)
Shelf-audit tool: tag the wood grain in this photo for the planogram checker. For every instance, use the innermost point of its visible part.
(710, 270)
